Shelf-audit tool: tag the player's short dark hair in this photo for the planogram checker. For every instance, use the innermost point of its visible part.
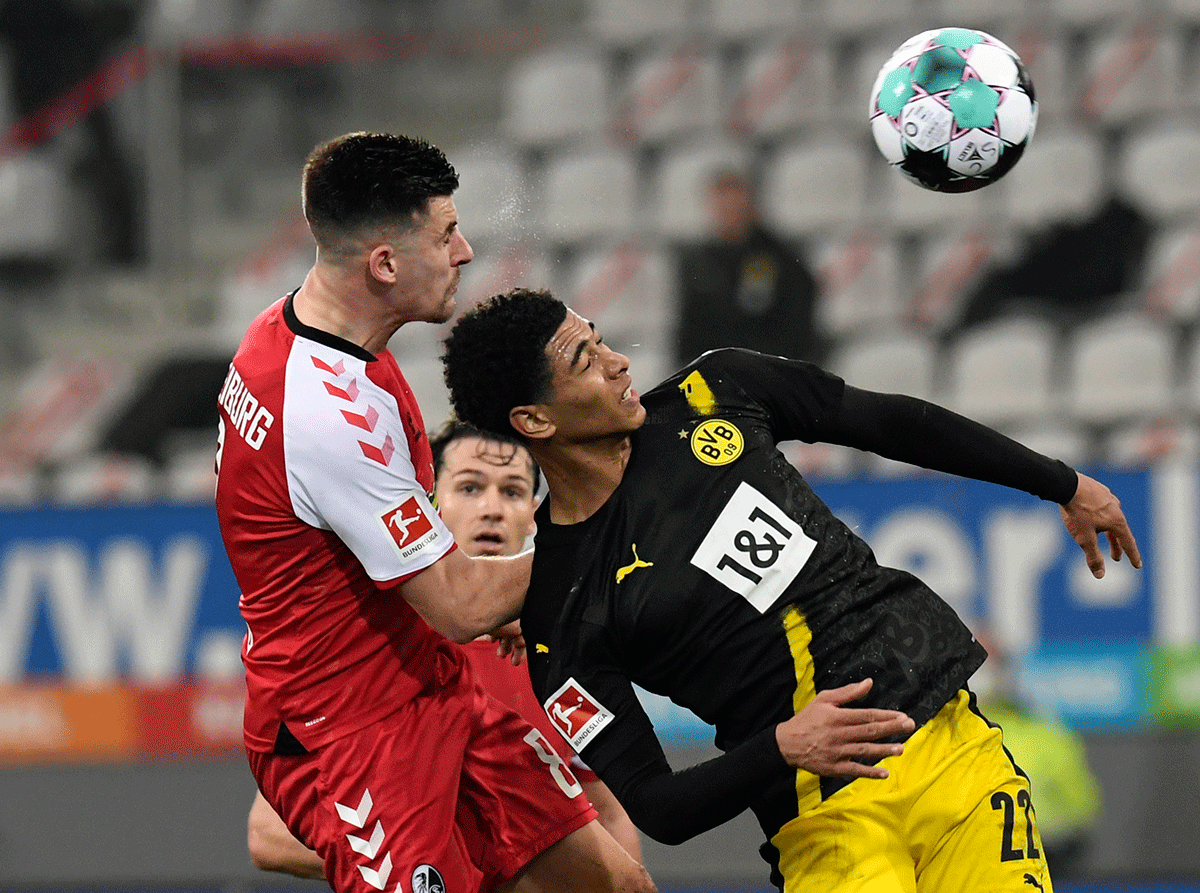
(361, 180)
(455, 430)
(495, 356)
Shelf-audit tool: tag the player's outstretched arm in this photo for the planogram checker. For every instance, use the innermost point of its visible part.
(463, 597)
(1095, 510)
(828, 738)
(273, 848)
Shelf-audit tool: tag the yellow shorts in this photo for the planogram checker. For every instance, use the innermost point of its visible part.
(953, 815)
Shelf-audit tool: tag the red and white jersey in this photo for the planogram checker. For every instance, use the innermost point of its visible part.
(324, 476)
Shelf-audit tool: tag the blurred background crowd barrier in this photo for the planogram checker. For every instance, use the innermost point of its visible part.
(149, 186)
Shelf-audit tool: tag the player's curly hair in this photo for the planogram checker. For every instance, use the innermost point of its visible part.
(361, 180)
(495, 356)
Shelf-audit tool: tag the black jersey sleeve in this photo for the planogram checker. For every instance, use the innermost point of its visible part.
(807, 403)
(673, 806)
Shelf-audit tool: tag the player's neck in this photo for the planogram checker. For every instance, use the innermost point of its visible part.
(582, 477)
(333, 302)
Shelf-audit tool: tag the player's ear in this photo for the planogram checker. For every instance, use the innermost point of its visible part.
(531, 422)
(382, 264)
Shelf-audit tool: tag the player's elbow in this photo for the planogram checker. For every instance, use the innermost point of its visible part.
(661, 828)
(262, 854)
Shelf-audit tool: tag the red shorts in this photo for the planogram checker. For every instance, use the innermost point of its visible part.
(511, 687)
(452, 787)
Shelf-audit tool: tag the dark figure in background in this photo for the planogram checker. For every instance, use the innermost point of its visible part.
(51, 46)
(746, 286)
(1069, 271)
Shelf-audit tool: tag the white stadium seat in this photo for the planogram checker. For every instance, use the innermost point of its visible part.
(1142, 443)
(1172, 277)
(1120, 367)
(671, 91)
(863, 17)
(590, 192)
(1124, 75)
(1005, 371)
(1090, 13)
(502, 267)
(491, 193)
(33, 202)
(896, 362)
(1157, 167)
(1059, 178)
(560, 94)
(815, 186)
(626, 23)
(739, 20)
(628, 289)
(784, 84)
(861, 283)
(1056, 438)
(680, 185)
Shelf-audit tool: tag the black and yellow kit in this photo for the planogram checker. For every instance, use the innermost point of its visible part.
(715, 576)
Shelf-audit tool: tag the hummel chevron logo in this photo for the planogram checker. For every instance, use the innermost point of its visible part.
(366, 421)
(356, 817)
(350, 393)
(382, 455)
(336, 369)
(367, 847)
(378, 879)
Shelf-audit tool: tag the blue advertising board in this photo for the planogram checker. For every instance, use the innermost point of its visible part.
(146, 593)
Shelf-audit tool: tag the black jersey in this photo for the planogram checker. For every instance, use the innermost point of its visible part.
(714, 575)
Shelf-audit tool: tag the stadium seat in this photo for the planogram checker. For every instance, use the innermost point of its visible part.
(1124, 73)
(671, 91)
(1059, 178)
(815, 186)
(913, 210)
(1092, 13)
(1057, 439)
(1120, 367)
(33, 201)
(191, 475)
(560, 94)
(499, 267)
(892, 361)
(680, 185)
(1004, 372)
(1001, 20)
(948, 264)
(1051, 64)
(491, 193)
(855, 18)
(286, 18)
(822, 461)
(737, 21)
(1157, 168)
(629, 23)
(99, 478)
(861, 283)
(1184, 11)
(1191, 380)
(784, 84)
(1172, 276)
(1143, 443)
(628, 290)
(187, 20)
(589, 193)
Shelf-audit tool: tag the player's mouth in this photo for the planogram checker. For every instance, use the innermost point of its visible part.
(489, 544)
(630, 397)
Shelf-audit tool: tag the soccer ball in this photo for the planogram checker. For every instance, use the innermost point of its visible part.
(953, 109)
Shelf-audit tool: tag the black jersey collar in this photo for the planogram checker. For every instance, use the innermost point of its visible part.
(321, 337)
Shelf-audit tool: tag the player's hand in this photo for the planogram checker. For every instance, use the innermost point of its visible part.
(509, 642)
(1094, 510)
(827, 738)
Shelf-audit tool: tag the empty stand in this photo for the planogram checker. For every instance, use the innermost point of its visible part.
(556, 95)
(1004, 372)
(589, 193)
(680, 185)
(1120, 367)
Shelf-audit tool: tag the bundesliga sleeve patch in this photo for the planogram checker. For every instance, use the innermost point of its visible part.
(409, 527)
(576, 714)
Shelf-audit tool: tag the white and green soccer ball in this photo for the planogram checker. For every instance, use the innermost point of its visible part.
(953, 109)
